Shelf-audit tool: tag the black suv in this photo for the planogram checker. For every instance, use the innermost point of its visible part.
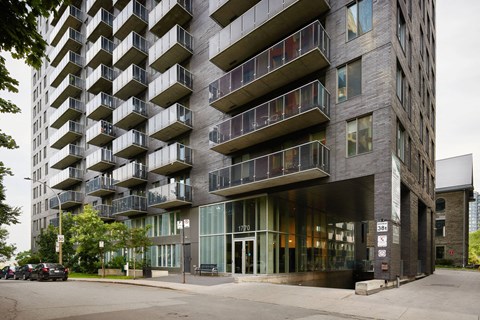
(47, 271)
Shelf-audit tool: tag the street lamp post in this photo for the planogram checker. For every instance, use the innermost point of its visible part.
(60, 260)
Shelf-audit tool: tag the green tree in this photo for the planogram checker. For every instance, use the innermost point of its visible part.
(137, 239)
(26, 257)
(8, 215)
(474, 247)
(47, 240)
(6, 251)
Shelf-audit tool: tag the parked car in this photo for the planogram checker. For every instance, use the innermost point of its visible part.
(47, 271)
(24, 272)
(8, 272)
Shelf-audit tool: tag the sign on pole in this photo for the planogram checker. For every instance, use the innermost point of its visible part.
(186, 223)
(382, 226)
(60, 238)
(180, 225)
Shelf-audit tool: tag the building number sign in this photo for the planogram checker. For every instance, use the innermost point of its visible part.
(243, 228)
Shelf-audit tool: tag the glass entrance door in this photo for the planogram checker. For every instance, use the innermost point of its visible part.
(244, 256)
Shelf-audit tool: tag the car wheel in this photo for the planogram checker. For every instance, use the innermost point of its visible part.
(64, 279)
(31, 279)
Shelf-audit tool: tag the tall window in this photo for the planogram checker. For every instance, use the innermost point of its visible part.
(359, 136)
(359, 18)
(401, 86)
(440, 252)
(440, 205)
(400, 141)
(401, 28)
(349, 80)
(440, 228)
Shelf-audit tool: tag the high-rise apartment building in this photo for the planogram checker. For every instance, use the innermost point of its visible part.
(473, 213)
(296, 136)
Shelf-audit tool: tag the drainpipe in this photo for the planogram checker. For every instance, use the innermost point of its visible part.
(463, 234)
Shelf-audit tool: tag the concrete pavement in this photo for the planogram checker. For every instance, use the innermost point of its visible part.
(447, 294)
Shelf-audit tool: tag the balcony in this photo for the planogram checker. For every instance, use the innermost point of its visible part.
(71, 18)
(167, 14)
(174, 47)
(100, 133)
(300, 54)
(170, 159)
(100, 79)
(130, 144)
(301, 163)
(59, 10)
(71, 86)
(129, 175)
(104, 211)
(101, 106)
(132, 50)
(296, 110)
(100, 53)
(130, 113)
(100, 160)
(71, 109)
(66, 178)
(224, 11)
(129, 206)
(68, 133)
(170, 123)
(132, 18)
(170, 86)
(100, 186)
(71, 63)
(72, 40)
(130, 82)
(100, 25)
(68, 199)
(261, 26)
(170, 196)
(93, 6)
(69, 155)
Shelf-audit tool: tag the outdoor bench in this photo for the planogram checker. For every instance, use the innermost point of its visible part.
(207, 268)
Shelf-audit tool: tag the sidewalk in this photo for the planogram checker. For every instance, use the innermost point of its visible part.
(447, 294)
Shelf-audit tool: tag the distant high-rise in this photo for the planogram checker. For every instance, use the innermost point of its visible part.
(297, 136)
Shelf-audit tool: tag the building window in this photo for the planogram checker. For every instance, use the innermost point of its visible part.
(359, 136)
(440, 205)
(349, 80)
(359, 18)
(401, 85)
(439, 252)
(440, 228)
(401, 28)
(400, 141)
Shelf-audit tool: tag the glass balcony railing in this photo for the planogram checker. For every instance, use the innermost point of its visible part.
(68, 199)
(130, 144)
(131, 171)
(305, 162)
(174, 47)
(71, 86)
(66, 178)
(69, 110)
(134, 17)
(99, 186)
(225, 11)
(100, 133)
(130, 82)
(71, 63)
(170, 195)
(101, 52)
(105, 211)
(101, 106)
(68, 133)
(72, 40)
(132, 50)
(168, 13)
(130, 113)
(100, 160)
(100, 25)
(67, 156)
(72, 17)
(100, 79)
(170, 86)
(169, 159)
(129, 205)
(93, 6)
(293, 56)
(256, 125)
(169, 123)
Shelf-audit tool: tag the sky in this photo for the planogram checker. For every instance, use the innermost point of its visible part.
(458, 119)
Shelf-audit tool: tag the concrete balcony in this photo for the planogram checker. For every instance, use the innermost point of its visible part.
(171, 86)
(130, 144)
(225, 11)
(100, 133)
(298, 55)
(71, 18)
(134, 17)
(68, 199)
(66, 178)
(301, 163)
(173, 158)
(170, 123)
(69, 155)
(261, 26)
(129, 175)
(130, 82)
(71, 109)
(67, 134)
(71, 86)
(100, 160)
(93, 6)
(101, 106)
(100, 186)
(129, 206)
(100, 79)
(105, 211)
(100, 53)
(174, 47)
(59, 10)
(132, 50)
(130, 113)
(72, 40)
(299, 109)
(72, 63)
(170, 196)
(167, 14)
(101, 25)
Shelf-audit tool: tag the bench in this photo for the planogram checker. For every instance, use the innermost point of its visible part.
(207, 268)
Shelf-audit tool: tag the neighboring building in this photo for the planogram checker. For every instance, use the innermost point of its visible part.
(473, 213)
(454, 191)
(283, 130)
